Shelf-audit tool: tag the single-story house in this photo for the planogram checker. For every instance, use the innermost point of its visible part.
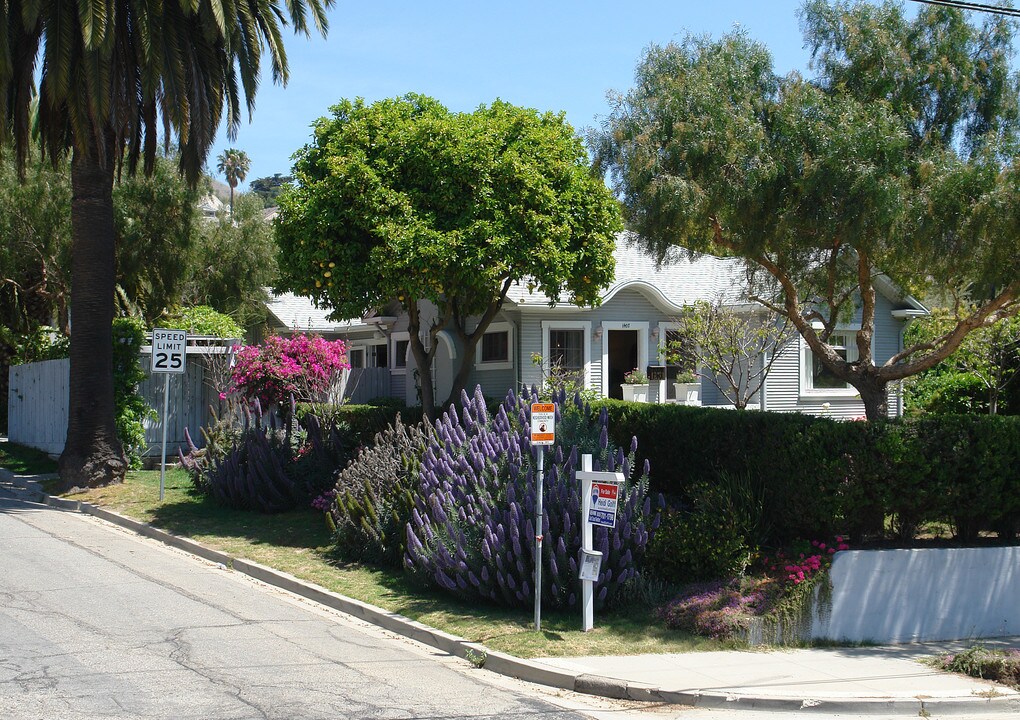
(629, 330)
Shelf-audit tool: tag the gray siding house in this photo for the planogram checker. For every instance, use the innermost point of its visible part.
(628, 330)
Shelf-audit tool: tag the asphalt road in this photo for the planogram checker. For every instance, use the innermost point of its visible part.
(96, 622)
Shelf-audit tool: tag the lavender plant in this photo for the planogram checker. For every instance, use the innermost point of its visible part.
(472, 530)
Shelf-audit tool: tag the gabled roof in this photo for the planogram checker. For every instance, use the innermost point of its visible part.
(297, 313)
(679, 281)
(682, 279)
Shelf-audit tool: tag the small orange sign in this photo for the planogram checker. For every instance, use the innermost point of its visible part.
(543, 423)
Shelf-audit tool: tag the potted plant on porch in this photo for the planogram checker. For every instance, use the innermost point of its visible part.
(635, 386)
(688, 388)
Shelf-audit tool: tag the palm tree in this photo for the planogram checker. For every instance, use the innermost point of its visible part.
(113, 73)
(234, 165)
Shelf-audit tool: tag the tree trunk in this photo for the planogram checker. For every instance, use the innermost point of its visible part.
(423, 361)
(92, 455)
(875, 395)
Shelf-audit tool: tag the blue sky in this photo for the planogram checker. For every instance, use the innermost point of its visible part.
(558, 55)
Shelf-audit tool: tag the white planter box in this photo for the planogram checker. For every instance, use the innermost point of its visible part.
(635, 393)
(688, 393)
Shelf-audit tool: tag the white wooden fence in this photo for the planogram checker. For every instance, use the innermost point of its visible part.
(37, 403)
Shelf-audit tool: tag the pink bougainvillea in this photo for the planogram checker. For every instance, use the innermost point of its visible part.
(302, 365)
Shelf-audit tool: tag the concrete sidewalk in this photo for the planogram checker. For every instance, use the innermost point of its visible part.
(856, 681)
(890, 681)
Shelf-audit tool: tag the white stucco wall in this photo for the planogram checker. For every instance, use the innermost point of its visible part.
(900, 596)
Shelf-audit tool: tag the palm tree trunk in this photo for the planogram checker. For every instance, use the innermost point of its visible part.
(92, 454)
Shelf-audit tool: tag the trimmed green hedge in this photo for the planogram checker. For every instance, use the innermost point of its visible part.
(822, 476)
(363, 421)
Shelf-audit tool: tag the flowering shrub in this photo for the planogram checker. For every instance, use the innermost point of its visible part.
(304, 366)
(472, 529)
(250, 463)
(370, 503)
(804, 563)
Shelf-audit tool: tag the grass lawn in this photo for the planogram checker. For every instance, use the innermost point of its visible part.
(299, 543)
(22, 460)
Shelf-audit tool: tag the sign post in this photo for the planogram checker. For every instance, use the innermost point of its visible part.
(600, 492)
(543, 432)
(169, 355)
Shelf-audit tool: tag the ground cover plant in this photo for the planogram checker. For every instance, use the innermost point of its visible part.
(768, 600)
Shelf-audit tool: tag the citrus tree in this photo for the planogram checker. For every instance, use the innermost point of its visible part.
(404, 200)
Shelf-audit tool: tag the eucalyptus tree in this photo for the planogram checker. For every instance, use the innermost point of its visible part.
(111, 74)
(895, 159)
(404, 200)
(234, 165)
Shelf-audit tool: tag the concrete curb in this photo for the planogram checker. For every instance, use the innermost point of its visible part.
(532, 670)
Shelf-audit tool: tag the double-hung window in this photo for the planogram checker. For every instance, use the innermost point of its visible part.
(495, 348)
(566, 349)
(816, 379)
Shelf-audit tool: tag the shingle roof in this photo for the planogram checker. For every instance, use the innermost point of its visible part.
(294, 312)
(679, 281)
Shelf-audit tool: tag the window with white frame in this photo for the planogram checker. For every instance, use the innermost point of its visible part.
(400, 342)
(356, 357)
(816, 378)
(374, 354)
(495, 348)
(566, 348)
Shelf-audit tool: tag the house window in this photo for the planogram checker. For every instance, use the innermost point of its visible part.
(566, 349)
(819, 379)
(378, 357)
(400, 341)
(494, 349)
(356, 356)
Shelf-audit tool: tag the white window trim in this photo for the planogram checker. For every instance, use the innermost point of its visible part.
(366, 345)
(807, 359)
(394, 339)
(497, 327)
(357, 349)
(642, 347)
(584, 325)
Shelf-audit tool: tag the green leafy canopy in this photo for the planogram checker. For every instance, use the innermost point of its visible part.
(404, 199)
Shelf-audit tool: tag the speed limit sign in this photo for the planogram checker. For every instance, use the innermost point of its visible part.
(169, 349)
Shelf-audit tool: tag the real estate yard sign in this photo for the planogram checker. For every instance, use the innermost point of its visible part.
(603, 503)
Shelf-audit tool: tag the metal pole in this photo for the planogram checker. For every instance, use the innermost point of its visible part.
(538, 538)
(587, 586)
(162, 460)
